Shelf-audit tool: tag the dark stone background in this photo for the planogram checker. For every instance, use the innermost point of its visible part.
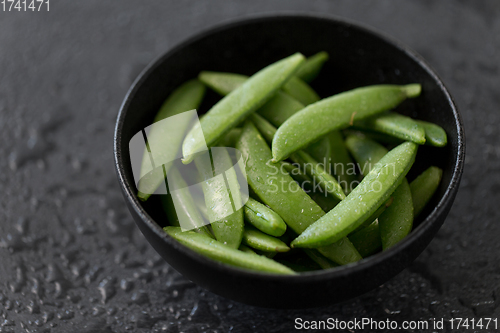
(71, 257)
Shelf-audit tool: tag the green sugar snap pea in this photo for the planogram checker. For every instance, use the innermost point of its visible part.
(320, 259)
(263, 242)
(341, 163)
(336, 112)
(424, 186)
(310, 69)
(229, 229)
(221, 82)
(264, 218)
(321, 151)
(233, 108)
(185, 98)
(279, 108)
(245, 248)
(283, 195)
(367, 240)
(365, 151)
(295, 172)
(230, 139)
(327, 182)
(397, 220)
(300, 91)
(224, 83)
(402, 127)
(434, 134)
(396, 215)
(223, 253)
(375, 188)
(375, 136)
(312, 168)
(184, 208)
(375, 215)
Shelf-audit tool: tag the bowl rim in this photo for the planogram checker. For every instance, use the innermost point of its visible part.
(312, 276)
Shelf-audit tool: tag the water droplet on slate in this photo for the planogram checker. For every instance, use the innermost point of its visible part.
(126, 284)
(13, 243)
(92, 274)
(144, 275)
(139, 297)
(22, 225)
(47, 316)
(53, 273)
(61, 288)
(37, 288)
(482, 309)
(33, 308)
(97, 311)
(201, 313)
(65, 315)
(18, 284)
(107, 288)
(143, 320)
(95, 326)
(79, 267)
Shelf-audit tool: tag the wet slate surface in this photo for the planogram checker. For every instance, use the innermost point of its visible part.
(71, 258)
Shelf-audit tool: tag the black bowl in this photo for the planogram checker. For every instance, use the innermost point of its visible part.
(358, 57)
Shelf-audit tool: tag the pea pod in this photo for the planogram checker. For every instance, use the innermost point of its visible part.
(434, 134)
(229, 228)
(184, 209)
(233, 108)
(264, 218)
(185, 98)
(321, 152)
(230, 139)
(327, 182)
(375, 188)
(397, 220)
(375, 136)
(336, 112)
(245, 248)
(366, 152)
(300, 262)
(319, 259)
(310, 69)
(314, 169)
(341, 163)
(224, 83)
(394, 124)
(375, 215)
(279, 108)
(221, 82)
(300, 90)
(326, 202)
(296, 173)
(423, 188)
(282, 194)
(367, 240)
(225, 254)
(263, 242)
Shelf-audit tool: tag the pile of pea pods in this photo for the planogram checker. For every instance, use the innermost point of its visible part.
(288, 135)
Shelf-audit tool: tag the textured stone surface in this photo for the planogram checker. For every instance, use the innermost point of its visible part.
(71, 258)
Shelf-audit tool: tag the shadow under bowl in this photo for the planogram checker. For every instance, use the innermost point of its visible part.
(358, 57)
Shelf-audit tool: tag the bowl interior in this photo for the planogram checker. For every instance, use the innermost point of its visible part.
(358, 58)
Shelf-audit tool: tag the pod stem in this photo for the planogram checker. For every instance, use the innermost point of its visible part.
(412, 90)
